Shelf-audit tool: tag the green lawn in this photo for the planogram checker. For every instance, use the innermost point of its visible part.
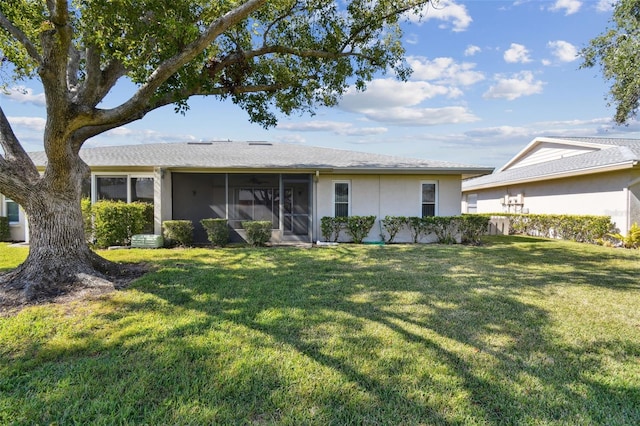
(517, 331)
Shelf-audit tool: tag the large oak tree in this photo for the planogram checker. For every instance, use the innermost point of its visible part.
(266, 56)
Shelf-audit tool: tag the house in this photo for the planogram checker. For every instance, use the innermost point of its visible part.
(293, 186)
(564, 175)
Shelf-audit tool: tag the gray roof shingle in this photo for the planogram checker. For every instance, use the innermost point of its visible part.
(620, 152)
(254, 155)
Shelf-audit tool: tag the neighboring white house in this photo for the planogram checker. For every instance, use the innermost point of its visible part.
(293, 186)
(564, 175)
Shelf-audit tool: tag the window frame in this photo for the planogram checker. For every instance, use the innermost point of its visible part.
(5, 208)
(333, 197)
(128, 176)
(436, 197)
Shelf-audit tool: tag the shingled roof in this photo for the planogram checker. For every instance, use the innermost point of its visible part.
(607, 154)
(223, 155)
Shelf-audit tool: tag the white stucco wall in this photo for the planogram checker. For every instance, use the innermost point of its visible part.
(18, 230)
(382, 195)
(599, 194)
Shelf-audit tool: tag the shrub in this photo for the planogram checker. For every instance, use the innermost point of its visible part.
(114, 222)
(217, 231)
(419, 227)
(178, 232)
(358, 227)
(444, 227)
(5, 234)
(581, 228)
(331, 227)
(393, 225)
(631, 240)
(472, 227)
(258, 232)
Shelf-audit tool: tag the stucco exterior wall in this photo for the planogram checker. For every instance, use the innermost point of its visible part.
(382, 195)
(18, 230)
(599, 194)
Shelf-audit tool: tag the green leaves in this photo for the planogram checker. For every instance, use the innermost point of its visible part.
(616, 51)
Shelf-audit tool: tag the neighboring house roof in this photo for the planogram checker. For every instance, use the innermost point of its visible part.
(259, 155)
(557, 157)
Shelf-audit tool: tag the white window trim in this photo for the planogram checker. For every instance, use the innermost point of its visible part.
(5, 210)
(129, 176)
(437, 197)
(333, 196)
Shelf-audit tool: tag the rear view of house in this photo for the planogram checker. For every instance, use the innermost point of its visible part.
(564, 175)
(292, 186)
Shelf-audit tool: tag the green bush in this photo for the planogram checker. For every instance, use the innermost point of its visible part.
(5, 234)
(258, 232)
(393, 225)
(178, 232)
(419, 227)
(217, 231)
(472, 227)
(581, 228)
(358, 227)
(331, 227)
(631, 240)
(114, 222)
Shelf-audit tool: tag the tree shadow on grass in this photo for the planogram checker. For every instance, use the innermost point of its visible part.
(402, 335)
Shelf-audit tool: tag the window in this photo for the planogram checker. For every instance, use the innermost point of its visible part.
(472, 203)
(341, 199)
(429, 198)
(13, 211)
(124, 188)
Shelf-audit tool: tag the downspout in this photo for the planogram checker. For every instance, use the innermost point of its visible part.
(314, 208)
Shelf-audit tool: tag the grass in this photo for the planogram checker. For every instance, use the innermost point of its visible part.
(517, 331)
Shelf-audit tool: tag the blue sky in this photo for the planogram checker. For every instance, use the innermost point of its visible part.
(489, 76)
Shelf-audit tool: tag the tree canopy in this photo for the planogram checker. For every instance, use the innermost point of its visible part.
(617, 51)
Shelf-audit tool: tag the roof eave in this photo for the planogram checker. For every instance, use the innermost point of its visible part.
(550, 176)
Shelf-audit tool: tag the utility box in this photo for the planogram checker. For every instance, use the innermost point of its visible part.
(146, 241)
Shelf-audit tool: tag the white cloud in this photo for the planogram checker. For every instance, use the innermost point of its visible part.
(472, 50)
(563, 51)
(388, 93)
(24, 95)
(510, 88)
(421, 116)
(569, 6)
(605, 5)
(517, 53)
(444, 71)
(34, 124)
(453, 15)
(499, 132)
(337, 127)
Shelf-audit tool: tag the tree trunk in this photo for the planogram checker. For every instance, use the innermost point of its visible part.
(59, 260)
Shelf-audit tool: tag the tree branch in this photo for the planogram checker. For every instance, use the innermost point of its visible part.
(165, 70)
(31, 49)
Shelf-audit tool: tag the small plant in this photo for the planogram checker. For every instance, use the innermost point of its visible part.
(114, 222)
(393, 225)
(472, 227)
(358, 227)
(631, 240)
(4, 228)
(217, 231)
(419, 227)
(258, 232)
(178, 232)
(331, 227)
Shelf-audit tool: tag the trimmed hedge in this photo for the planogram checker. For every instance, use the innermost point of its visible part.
(217, 231)
(114, 222)
(5, 233)
(179, 232)
(393, 225)
(581, 228)
(356, 227)
(258, 232)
